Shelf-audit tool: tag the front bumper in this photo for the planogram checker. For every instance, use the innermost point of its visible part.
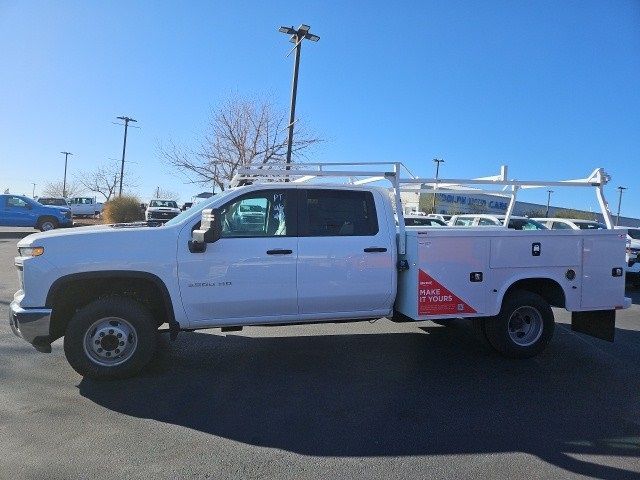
(32, 325)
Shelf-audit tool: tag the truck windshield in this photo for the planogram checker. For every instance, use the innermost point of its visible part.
(60, 202)
(634, 233)
(163, 203)
(590, 226)
(525, 224)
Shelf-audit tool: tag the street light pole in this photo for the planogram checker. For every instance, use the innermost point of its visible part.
(438, 161)
(64, 181)
(297, 35)
(549, 192)
(33, 193)
(620, 189)
(124, 147)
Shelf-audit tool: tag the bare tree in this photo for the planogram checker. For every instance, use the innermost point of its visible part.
(160, 192)
(104, 180)
(54, 189)
(241, 132)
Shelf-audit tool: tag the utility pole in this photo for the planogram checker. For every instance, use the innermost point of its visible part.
(64, 182)
(124, 146)
(296, 38)
(549, 192)
(620, 189)
(437, 161)
(33, 194)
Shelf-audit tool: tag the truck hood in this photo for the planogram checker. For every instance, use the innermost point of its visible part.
(58, 208)
(93, 233)
(162, 209)
(106, 247)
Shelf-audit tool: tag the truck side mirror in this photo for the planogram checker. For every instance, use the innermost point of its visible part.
(210, 231)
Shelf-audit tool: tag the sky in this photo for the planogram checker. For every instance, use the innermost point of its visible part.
(551, 89)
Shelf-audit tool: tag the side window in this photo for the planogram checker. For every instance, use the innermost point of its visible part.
(560, 226)
(257, 214)
(485, 221)
(16, 202)
(336, 213)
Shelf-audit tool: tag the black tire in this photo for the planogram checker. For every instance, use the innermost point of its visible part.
(524, 326)
(139, 322)
(47, 223)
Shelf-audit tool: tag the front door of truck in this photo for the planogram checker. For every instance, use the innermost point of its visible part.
(16, 212)
(345, 255)
(250, 273)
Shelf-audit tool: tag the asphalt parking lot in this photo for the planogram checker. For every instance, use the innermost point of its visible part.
(360, 400)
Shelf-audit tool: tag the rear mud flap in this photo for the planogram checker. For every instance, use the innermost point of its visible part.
(598, 323)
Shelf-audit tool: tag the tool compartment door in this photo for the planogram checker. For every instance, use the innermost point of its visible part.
(601, 289)
(452, 276)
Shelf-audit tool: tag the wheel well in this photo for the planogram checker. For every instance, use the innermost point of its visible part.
(68, 295)
(42, 218)
(547, 288)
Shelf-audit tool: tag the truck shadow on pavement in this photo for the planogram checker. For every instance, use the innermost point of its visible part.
(438, 392)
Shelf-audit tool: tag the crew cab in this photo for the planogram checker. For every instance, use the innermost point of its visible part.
(21, 211)
(85, 206)
(278, 253)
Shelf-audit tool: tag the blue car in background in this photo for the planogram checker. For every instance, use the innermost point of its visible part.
(20, 211)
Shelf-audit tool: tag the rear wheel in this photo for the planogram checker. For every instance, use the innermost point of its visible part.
(112, 337)
(524, 326)
(45, 224)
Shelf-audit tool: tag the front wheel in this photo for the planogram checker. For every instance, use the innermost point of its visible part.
(46, 224)
(111, 337)
(524, 326)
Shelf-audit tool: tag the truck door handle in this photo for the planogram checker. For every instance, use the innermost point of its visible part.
(374, 249)
(279, 251)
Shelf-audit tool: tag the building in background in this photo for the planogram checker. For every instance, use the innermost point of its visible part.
(456, 203)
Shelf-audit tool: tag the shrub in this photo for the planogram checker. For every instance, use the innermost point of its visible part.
(122, 210)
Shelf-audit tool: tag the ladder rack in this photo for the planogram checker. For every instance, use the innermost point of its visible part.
(361, 173)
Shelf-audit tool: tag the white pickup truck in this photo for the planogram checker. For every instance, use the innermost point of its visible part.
(305, 254)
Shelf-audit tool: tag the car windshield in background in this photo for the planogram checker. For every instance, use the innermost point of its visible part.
(590, 226)
(634, 233)
(429, 222)
(163, 203)
(525, 224)
(59, 202)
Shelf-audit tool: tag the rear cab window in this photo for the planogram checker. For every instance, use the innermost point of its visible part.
(337, 213)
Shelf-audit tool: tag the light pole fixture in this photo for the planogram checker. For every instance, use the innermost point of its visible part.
(126, 121)
(549, 192)
(33, 193)
(64, 181)
(297, 35)
(437, 161)
(620, 189)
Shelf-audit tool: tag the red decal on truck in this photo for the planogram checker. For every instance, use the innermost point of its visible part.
(435, 299)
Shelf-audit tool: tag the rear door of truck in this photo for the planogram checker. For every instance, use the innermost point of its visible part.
(346, 252)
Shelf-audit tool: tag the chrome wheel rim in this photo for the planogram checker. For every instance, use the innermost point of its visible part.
(46, 226)
(525, 326)
(110, 341)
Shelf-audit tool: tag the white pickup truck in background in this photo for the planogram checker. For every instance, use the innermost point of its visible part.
(278, 252)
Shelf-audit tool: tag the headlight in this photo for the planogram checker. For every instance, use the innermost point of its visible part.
(30, 251)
